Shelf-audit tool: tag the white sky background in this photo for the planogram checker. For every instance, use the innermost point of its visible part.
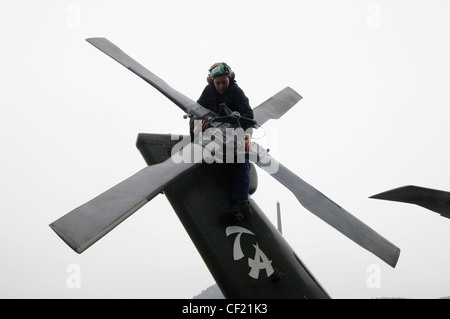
(374, 76)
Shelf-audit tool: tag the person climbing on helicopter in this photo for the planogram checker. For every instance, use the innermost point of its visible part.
(223, 92)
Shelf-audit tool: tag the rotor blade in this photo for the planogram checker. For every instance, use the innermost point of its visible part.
(435, 200)
(276, 106)
(182, 101)
(86, 224)
(327, 210)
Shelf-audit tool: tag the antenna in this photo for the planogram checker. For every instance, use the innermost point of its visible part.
(279, 218)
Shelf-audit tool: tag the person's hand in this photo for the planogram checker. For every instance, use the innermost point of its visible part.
(201, 125)
(248, 142)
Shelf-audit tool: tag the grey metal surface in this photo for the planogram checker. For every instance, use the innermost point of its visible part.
(276, 106)
(86, 224)
(182, 101)
(279, 224)
(432, 199)
(326, 209)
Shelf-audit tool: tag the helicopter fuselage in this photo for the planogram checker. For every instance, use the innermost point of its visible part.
(249, 259)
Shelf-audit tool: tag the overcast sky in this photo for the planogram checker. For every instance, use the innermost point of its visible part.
(374, 76)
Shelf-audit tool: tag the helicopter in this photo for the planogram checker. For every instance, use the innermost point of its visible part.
(247, 257)
(435, 200)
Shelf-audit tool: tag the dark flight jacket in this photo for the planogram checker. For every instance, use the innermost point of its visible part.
(234, 99)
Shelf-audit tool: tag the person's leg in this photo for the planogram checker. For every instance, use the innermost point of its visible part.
(240, 175)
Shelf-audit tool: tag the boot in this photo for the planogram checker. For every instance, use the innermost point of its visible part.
(239, 205)
(240, 211)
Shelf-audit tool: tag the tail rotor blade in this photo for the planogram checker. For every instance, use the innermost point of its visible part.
(86, 224)
(327, 210)
(182, 101)
(276, 106)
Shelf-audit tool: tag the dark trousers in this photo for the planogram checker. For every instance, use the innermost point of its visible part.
(240, 180)
(240, 174)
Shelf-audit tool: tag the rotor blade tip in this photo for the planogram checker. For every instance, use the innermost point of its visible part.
(394, 264)
(93, 40)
